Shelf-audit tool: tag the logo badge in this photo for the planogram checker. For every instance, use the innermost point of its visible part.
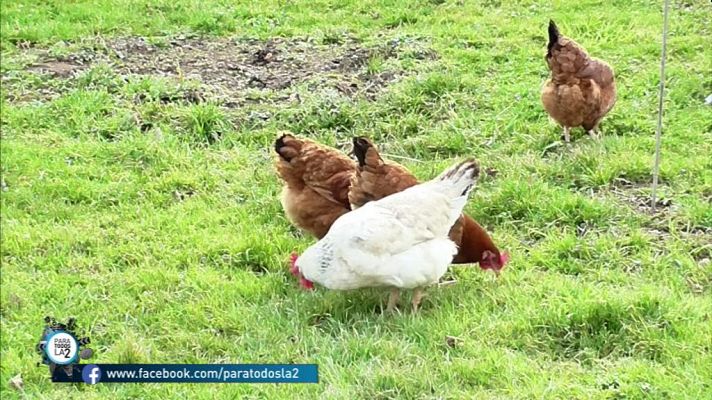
(91, 374)
(62, 348)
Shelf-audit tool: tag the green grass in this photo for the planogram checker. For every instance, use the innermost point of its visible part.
(152, 215)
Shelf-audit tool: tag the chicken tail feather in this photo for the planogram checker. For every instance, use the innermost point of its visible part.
(366, 152)
(287, 146)
(553, 36)
(461, 177)
(457, 182)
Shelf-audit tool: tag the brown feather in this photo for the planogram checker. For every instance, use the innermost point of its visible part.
(581, 89)
(317, 180)
(374, 178)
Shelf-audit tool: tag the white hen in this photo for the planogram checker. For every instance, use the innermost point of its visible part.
(400, 241)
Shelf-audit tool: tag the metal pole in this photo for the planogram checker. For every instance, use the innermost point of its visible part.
(658, 132)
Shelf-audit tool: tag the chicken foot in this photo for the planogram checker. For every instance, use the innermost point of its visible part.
(393, 300)
(418, 295)
(595, 132)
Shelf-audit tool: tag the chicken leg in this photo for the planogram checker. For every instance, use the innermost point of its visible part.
(595, 132)
(393, 300)
(418, 295)
(567, 134)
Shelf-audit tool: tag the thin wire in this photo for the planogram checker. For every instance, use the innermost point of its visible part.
(401, 157)
(658, 132)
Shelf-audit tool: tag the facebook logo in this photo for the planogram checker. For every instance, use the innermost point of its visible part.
(91, 374)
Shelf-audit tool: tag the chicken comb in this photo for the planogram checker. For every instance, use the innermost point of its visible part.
(293, 263)
(503, 258)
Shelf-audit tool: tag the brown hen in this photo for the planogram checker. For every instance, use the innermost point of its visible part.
(317, 179)
(581, 89)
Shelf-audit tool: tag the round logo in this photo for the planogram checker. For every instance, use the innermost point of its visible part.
(91, 374)
(61, 348)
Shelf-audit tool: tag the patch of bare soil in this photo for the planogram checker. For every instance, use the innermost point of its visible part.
(636, 195)
(661, 222)
(233, 70)
(663, 226)
(57, 68)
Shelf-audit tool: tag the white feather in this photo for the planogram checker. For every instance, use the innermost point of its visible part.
(400, 240)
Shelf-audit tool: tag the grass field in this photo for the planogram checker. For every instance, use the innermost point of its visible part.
(138, 195)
